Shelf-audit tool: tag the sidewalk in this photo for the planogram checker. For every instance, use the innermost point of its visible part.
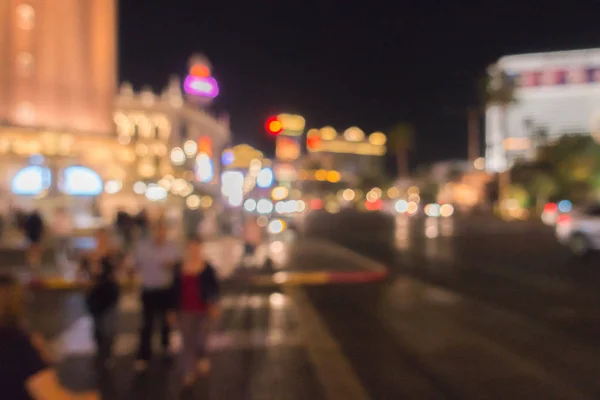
(256, 348)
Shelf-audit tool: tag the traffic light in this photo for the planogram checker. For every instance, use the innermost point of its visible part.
(274, 126)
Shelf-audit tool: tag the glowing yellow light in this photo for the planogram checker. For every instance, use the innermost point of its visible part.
(415, 198)
(393, 192)
(178, 185)
(377, 139)
(193, 202)
(377, 191)
(328, 133)
(372, 196)
(412, 208)
(333, 176)
(321, 175)
(413, 190)
(446, 210)
(165, 183)
(479, 163)
(279, 193)
(190, 147)
(348, 195)
(275, 126)
(177, 156)
(206, 201)
(354, 134)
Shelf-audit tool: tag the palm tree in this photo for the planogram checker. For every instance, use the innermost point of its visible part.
(401, 138)
(499, 91)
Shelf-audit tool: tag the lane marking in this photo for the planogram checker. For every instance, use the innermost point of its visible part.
(333, 369)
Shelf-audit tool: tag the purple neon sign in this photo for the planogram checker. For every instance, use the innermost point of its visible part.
(197, 86)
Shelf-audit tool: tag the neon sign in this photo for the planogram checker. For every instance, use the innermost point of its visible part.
(201, 86)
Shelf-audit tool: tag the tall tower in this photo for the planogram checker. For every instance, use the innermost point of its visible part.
(58, 64)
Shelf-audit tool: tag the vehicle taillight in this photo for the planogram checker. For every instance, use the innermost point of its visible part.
(550, 207)
(564, 219)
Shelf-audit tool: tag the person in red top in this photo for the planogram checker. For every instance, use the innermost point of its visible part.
(195, 294)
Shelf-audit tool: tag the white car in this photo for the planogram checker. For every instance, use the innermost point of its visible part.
(580, 230)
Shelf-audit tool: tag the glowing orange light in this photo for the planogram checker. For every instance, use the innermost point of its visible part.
(200, 71)
(205, 145)
(274, 126)
(313, 142)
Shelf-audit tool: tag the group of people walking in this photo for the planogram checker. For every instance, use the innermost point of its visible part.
(179, 290)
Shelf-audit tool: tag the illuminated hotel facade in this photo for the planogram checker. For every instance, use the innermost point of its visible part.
(67, 138)
(557, 93)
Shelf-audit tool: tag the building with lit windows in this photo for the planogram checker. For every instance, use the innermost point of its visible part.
(67, 138)
(348, 156)
(557, 93)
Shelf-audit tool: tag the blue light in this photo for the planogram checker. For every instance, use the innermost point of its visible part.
(265, 178)
(565, 206)
(82, 181)
(227, 158)
(31, 180)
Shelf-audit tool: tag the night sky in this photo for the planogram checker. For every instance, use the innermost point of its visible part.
(345, 63)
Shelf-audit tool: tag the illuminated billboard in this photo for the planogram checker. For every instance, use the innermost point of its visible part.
(556, 94)
(199, 83)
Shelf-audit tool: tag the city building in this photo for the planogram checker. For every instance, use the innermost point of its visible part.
(176, 145)
(346, 157)
(556, 93)
(68, 139)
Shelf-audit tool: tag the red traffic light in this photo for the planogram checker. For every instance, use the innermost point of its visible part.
(274, 126)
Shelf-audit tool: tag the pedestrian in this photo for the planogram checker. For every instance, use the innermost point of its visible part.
(125, 224)
(103, 296)
(25, 368)
(34, 230)
(154, 259)
(62, 229)
(195, 293)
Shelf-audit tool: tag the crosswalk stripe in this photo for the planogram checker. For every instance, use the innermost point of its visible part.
(77, 339)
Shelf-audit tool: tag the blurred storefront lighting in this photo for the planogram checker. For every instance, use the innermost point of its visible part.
(156, 193)
(412, 208)
(177, 156)
(190, 148)
(446, 210)
(479, 164)
(401, 206)
(112, 187)
(333, 176)
(279, 193)
(206, 202)
(393, 192)
(377, 139)
(264, 206)
(276, 226)
(321, 175)
(265, 178)
(413, 190)
(348, 194)
(415, 198)
(193, 202)
(250, 205)
(139, 187)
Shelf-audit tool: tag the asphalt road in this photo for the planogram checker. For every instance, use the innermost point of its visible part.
(472, 309)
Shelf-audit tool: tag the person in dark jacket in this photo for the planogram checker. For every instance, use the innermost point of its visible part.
(34, 230)
(195, 293)
(103, 296)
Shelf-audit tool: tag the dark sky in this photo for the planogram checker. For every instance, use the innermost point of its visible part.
(344, 63)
